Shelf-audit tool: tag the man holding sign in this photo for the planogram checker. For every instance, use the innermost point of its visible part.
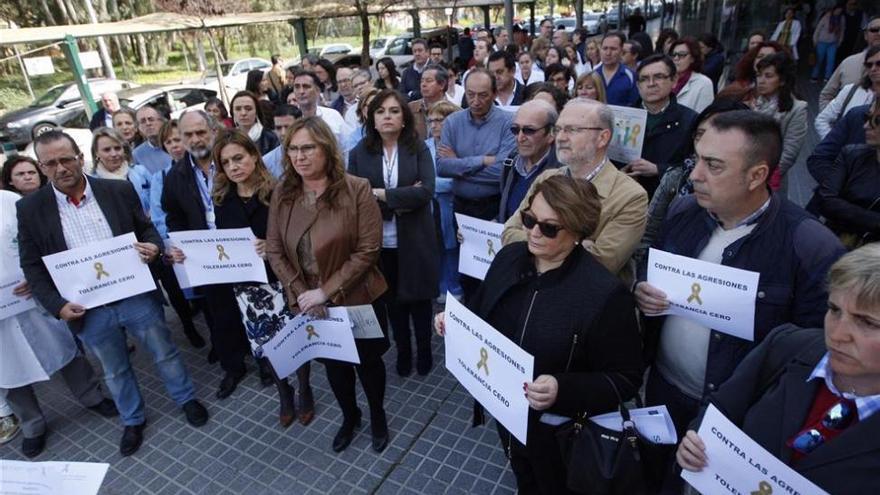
(733, 220)
(76, 212)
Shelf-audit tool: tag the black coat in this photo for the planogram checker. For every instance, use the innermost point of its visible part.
(98, 119)
(234, 213)
(268, 141)
(181, 199)
(578, 321)
(417, 245)
(40, 233)
(849, 194)
(769, 397)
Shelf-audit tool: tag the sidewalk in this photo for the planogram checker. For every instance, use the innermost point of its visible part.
(243, 449)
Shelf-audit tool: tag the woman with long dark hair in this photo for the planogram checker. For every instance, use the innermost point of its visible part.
(326, 72)
(21, 175)
(248, 114)
(401, 173)
(217, 109)
(388, 76)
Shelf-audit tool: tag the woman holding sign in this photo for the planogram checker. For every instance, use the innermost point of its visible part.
(242, 190)
(810, 396)
(558, 303)
(323, 241)
(401, 173)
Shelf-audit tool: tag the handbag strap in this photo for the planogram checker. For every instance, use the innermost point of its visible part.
(624, 411)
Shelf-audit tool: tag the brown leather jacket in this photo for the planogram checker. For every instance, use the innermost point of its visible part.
(345, 241)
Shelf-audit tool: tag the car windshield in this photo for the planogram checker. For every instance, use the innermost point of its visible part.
(565, 22)
(49, 97)
(379, 43)
(224, 66)
(592, 17)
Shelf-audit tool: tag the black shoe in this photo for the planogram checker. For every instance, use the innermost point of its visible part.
(105, 408)
(32, 447)
(228, 385)
(212, 356)
(345, 434)
(196, 414)
(132, 438)
(404, 365)
(424, 364)
(194, 338)
(380, 441)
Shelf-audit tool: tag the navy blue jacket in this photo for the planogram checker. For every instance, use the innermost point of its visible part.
(789, 248)
(621, 89)
(848, 130)
(411, 83)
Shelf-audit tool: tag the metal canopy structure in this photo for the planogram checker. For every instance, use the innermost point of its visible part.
(162, 22)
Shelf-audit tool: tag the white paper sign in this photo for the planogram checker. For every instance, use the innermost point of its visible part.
(481, 241)
(10, 304)
(717, 296)
(737, 464)
(221, 256)
(490, 366)
(100, 273)
(305, 338)
(629, 133)
(38, 66)
(51, 478)
(364, 323)
(654, 423)
(90, 60)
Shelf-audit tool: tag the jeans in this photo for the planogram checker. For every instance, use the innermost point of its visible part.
(825, 52)
(141, 316)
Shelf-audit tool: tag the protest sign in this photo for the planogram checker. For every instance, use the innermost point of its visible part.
(481, 242)
(220, 256)
(629, 133)
(305, 337)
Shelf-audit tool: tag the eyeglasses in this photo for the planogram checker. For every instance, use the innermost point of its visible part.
(873, 30)
(872, 119)
(64, 161)
(872, 65)
(838, 417)
(655, 78)
(528, 131)
(430, 121)
(570, 129)
(548, 230)
(679, 54)
(306, 149)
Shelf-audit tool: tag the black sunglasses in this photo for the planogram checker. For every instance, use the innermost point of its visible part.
(872, 65)
(528, 131)
(548, 230)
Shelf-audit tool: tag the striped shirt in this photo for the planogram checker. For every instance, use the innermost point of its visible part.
(83, 223)
(866, 405)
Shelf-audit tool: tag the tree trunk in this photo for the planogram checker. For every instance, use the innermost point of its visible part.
(72, 12)
(365, 36)
(143, 60)
(65, 18)
(50, 19)
(201, 60)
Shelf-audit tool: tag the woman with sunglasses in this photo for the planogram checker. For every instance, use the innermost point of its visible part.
(809, 396)
(692, 89)
(849, 195)
(562, 306)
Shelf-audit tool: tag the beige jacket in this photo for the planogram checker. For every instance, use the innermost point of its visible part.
(849, 71)
(621, 223)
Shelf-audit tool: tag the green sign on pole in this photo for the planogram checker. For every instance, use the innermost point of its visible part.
(71, 53)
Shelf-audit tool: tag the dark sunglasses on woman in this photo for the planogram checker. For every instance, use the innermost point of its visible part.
(548, 230)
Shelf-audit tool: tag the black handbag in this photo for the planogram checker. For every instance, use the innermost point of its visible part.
(600, 461)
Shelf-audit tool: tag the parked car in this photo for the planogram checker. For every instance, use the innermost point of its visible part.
(568, 23)
(175, 97)
(400, 48)
(235, 72)
(379, 45)
(58, 104)
(323, 51)
(594, 22)
(77, 127)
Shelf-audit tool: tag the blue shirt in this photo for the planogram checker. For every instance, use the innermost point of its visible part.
(471, 140)
(157, 214)
(621, 90)
(273, 161)
(522, 182)
(152, 157)
(866, 405)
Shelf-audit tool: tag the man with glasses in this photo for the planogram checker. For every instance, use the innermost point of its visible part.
(546, 27)
(433, 89)
(436, 54)
(532, 129)
(188, 204)
(733, 219)
(412, 76)
(669, 125)
(360, 84)
(583, 132)
(620, 82)
(150, 153)
(473, 146)
(347, 97)
(851, 70)
(76, 211)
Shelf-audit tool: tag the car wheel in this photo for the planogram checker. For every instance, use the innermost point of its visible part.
(42, 128)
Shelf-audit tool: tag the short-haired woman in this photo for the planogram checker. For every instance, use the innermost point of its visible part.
(560, 305)
(249, 118)
(808, 396)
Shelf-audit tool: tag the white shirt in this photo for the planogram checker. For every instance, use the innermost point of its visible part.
(697, 93)
(335, 122)
(84, 223)
(389, 175)
(351, 117)
(458, 95)
(835, 111)
(684, 344)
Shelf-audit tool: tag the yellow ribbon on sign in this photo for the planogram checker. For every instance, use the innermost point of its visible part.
(312, 333)
(491, 247)
(484, 360)
(764, 488)
(695, 293)
(99, 269)
(221, 252)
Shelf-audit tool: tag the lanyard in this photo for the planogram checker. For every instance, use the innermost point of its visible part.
(205, 184)
(388, 164)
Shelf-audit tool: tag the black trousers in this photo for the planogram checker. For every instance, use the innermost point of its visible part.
(484, 209)
(227, 332)
(371, 372)
(399, 313)
(538, 467)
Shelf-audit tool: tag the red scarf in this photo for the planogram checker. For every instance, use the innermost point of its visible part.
(682, 80)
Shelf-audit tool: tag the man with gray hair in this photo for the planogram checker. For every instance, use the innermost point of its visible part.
(187, 202)
(532, 129)
(433, 89)
(583, 132)
(150, 153)
(502, 39)
(361, 82)
(103, 117)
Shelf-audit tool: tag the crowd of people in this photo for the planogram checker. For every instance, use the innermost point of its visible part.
(350, 183)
